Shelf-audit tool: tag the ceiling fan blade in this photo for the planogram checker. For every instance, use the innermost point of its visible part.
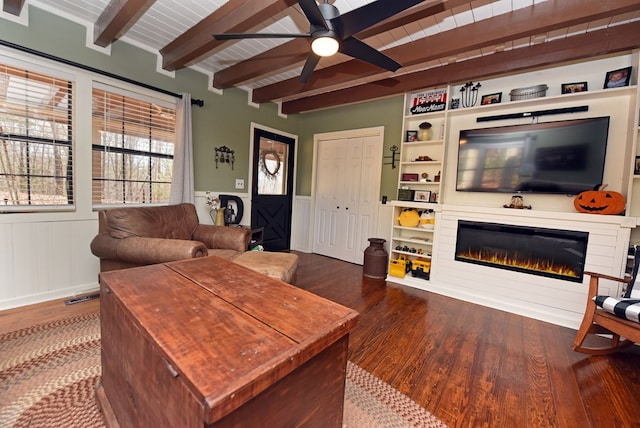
(309, 66)
(362, 51)
(313, 14)
(233, 36)
(365, 16)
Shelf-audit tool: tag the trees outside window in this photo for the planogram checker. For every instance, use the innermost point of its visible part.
(36, 129)
(133, 146)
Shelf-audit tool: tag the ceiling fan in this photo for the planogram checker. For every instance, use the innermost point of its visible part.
(332, 32)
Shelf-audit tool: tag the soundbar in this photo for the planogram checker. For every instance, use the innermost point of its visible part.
(533, 113)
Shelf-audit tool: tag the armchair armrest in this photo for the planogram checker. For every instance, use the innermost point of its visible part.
(223, 237)
(140, 250)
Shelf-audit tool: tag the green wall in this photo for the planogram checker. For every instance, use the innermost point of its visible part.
(225, 118)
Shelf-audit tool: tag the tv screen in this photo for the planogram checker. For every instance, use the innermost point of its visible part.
(564, 157)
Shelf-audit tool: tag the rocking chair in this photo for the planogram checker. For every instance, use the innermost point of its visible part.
(615, 316)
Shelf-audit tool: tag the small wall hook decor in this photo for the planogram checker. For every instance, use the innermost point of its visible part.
(224, 155)
(394, 149)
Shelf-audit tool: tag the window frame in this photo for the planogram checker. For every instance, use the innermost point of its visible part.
(68, 112)
(123, 152)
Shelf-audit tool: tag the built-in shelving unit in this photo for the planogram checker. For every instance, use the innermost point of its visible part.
(415, 244)
(419, 188)
(421, 161)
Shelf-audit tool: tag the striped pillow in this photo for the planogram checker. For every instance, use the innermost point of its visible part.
(619, 306)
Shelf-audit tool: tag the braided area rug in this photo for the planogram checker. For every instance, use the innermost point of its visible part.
(48, 374)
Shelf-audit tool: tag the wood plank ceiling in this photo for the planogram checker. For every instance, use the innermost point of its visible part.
(438, 41)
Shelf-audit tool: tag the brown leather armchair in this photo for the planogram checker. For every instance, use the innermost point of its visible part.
(137, 236)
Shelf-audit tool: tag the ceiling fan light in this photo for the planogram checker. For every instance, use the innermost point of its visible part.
(325, 46)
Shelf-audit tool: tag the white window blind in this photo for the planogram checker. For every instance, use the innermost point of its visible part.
(36, 162)
(133, 146)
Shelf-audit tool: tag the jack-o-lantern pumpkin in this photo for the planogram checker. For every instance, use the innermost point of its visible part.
(600, 201)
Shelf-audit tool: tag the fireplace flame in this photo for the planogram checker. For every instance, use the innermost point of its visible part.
(515, 261)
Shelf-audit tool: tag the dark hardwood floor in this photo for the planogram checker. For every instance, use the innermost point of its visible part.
(469, 365)
(474, 366)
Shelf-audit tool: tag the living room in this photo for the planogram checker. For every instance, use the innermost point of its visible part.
(48, 252)
(226, 119)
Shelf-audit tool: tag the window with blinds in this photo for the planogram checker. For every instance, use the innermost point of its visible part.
(36, 167)
(133, 146)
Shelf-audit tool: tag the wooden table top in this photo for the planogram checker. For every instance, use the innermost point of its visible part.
(230, 332)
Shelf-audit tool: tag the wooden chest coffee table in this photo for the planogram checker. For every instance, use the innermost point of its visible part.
(207, 343)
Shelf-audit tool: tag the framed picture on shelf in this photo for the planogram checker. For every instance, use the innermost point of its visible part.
(636, 167)
(491, 98)
(407, 176)
(422, 196)
(570, 88)
(411, 136)
(617, 78)
(433, 198)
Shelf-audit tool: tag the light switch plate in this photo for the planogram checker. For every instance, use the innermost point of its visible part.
(239, 183)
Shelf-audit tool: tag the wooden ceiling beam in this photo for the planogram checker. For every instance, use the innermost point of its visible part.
(526, 22)
(117, 18)
(277, 58)
(592, 44)
(234, 16)
(297, 50)
(13, 7)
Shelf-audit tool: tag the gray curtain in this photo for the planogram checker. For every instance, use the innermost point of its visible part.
(182, 186)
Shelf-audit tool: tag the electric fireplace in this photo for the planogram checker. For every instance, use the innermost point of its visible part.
(540, 251)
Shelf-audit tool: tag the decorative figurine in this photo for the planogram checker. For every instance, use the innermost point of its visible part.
(518, 203)
(469, 94)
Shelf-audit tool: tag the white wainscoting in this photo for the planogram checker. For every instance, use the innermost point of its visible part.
(553, 300)
(46, 260)
(385, 215)
(302, 224)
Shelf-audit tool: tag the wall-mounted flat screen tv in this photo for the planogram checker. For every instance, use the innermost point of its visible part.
(565, 157)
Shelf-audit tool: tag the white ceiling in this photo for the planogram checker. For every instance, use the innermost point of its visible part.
(167, 19)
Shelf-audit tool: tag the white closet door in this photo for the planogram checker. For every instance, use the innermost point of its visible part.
(348, 214)
(331, 166)
(346, 193)
(369, 193)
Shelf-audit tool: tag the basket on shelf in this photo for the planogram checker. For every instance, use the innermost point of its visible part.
(528, 93)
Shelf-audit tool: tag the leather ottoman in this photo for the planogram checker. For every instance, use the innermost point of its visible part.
(282, 266)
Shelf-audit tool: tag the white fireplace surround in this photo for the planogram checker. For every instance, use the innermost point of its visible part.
(553, 300)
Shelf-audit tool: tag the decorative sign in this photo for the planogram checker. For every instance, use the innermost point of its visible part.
(429, 101)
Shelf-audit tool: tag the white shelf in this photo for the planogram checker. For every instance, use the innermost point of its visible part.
(423, 143)
(408, 253)
(578, 96)
(409, 280)
(415, 204)
(411, 241)
(432, 162)
(428, 115)
(414, 229)
(428, 183)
